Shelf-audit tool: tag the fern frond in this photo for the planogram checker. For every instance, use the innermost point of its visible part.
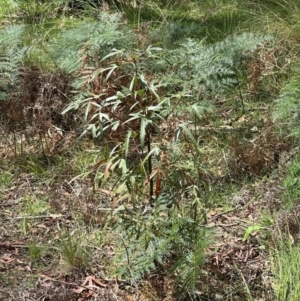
(12, 56)
(213, 69)
(288, 106)
(86, 44)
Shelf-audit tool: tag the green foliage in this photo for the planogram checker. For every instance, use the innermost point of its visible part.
(130, 116)
(189, 266)
(278, 17)
(287, 110)
(145, 109)
(35, 251)
(37, 12)
(285, 268)
(215, 28)
(209, 71)
(292, 183)
(6, 7)
(250, 230)
(74, 252)
(5, 179)
(12, 56)
(125, 99)
(34, 207)
(86, 44)
(155, 235)
(135, 106)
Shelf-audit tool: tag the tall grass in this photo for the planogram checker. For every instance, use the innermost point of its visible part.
(277, 17)
(286, 271)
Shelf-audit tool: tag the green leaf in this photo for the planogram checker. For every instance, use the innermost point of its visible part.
(134, 117)
(123, 166)
(249, 230)
(190, 136)
(153, 89)
(115, 52)
(112, 69)
(132, 83)
(155, 151)
(143, 80)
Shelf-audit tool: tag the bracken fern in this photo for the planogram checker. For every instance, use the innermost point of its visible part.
(288, 107)
(12, 56)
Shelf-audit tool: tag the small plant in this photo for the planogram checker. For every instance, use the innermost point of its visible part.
(5, 179)
(35, 251)
(161, 239)
(129, 119)
(250, 230)
(33, 206)
(73, 252)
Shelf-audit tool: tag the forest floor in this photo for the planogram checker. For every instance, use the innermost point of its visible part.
(59, 235)
(39, 207)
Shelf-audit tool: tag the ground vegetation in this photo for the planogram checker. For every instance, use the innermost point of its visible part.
(149, 150)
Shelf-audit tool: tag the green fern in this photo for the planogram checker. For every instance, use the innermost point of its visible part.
(12, 57)
(152, 238)
(87, 43)
(213, 70)
(288, 106)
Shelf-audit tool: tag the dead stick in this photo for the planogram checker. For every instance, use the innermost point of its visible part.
(68, 283)
(38, 216)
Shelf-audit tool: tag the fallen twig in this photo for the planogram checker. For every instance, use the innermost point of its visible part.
(68, 283)
(39, 216)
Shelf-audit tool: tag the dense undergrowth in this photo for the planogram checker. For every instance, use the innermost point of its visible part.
(129, 131)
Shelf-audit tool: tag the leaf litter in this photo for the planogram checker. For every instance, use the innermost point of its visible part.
(232, 260)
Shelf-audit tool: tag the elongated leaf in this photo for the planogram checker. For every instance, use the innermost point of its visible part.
(70, 107)
(115, 52)
(134, 105)
(250, 230)
(143, 80)
(134, 117)
(144, 123)
(151, 48)
(127, 140)
(156, 108)
(190, 136)
(177, 134)
(87, 111)
(132, 83)
(115, 125)
(154, 151)
(94, 130)
(153, 89)
(113, 68)
(123, 166)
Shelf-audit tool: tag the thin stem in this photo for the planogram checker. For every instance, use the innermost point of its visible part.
(150, 167)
